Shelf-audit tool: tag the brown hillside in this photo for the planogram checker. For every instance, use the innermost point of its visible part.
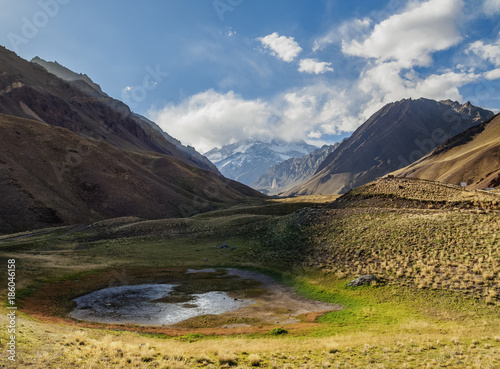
(50, 175)
(28, 90)
(472, 157)
(398, 134)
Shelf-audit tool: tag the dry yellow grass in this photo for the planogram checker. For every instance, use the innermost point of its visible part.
(55, 346)
(386, 228)
(319, 199)
(475, 161)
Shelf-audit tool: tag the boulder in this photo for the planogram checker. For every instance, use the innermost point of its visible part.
(363, 280)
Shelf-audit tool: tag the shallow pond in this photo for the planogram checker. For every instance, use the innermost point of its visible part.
(137, 305)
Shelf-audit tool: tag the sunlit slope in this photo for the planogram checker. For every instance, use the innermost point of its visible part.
(472, 156)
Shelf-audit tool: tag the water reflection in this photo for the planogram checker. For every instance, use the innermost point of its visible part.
(135, 305)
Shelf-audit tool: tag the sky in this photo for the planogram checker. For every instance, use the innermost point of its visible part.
(213, 72)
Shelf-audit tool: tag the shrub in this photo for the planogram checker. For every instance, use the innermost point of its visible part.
(278, 331)
(254, 360)
(228, 359)
(192, 337)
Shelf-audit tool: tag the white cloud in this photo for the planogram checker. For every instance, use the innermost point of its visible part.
(284, 48)
(230, 32)
(410, 37)
(314, 66)
(349, 30)
(391, 50)
(385, 83)
(211, 119)
(492, 74)
(315, 134)
(319, 107)
(489, 52)
(491, 7)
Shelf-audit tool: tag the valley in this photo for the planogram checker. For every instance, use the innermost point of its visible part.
(434, 249)
(344, 214)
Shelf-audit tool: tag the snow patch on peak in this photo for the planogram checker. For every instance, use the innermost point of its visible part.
(247, 160)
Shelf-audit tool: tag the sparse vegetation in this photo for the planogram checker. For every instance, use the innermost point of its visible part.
(437, 304)
(442, 249)
(254, 360)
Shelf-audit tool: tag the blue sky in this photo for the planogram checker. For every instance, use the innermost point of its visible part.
(214, 72)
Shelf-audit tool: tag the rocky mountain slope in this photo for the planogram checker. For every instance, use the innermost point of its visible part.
(189, 151)
(67, 156)
(397, 135)
(68, 75)
(292, 172)
(472, 156)
(27, 90)
(246, 161)
(83, 83)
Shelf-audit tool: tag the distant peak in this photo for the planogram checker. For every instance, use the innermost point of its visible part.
(66, 74)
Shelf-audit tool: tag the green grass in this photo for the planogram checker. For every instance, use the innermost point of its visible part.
(277, 331)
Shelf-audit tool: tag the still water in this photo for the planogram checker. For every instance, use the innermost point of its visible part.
(135, 305)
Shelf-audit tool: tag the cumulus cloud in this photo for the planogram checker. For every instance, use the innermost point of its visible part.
(410, 37)
(313, 66)
(320, 107)
(230, 32)
(211, 119)
(282, 47)
(489, 52)
(492, 74)
(315, 134)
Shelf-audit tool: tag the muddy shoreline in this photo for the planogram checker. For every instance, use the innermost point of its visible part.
(274, 304)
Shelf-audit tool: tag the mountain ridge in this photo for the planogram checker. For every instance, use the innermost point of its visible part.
(392, 138)
(67, 74)
(84, 84)
(472, 156)
(292, 172)
(68, 156)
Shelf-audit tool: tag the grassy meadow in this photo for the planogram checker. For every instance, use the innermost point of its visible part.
(435, 250)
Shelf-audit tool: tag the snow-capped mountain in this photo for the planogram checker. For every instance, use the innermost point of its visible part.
(292, 172)
(245, 161)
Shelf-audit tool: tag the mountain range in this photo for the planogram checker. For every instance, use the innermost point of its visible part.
(71, 154)
(397, 135)
(292, 172)
(245, 161)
